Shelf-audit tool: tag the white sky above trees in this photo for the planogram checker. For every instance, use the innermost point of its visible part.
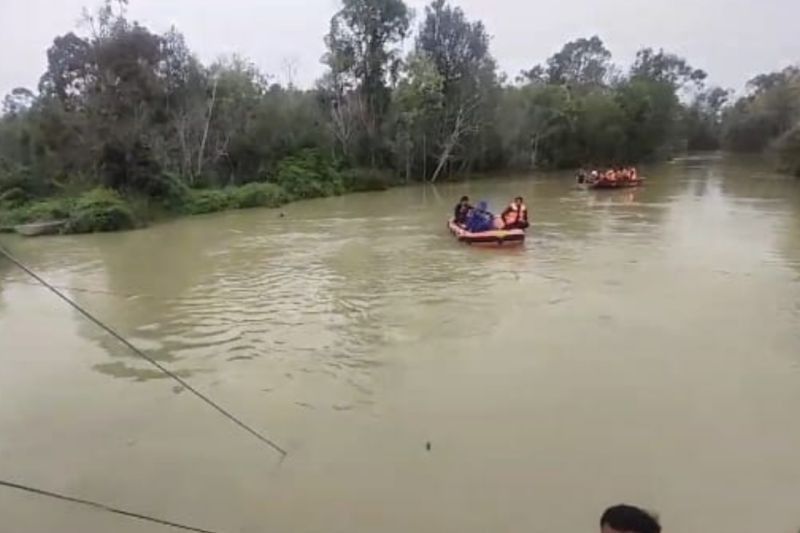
(733, 40)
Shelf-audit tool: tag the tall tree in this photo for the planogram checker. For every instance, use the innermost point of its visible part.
(363, 56)
(770, 110)
(19, 100)
(420, 100)
(580, 63)
(187, 88)
(666, 68)
(703, 119)
(459, 50)
(651, 112)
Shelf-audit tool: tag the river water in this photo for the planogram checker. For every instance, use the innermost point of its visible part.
(644, 346)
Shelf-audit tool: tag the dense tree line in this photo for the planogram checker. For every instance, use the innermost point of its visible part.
(135, 112)
(768, 118)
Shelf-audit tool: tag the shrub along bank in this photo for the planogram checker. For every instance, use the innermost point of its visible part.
(303, 176)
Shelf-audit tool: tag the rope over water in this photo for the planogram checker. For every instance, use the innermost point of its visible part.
(143, 355)
(101, 506)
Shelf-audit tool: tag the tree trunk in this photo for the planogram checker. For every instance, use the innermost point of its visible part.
(535, 151)
(409, 155)
(443, 158)
(424, 156)
(449, 144)
(201, 154)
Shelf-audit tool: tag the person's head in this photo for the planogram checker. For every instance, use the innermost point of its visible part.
(483, 206)
(628, 519)
(518, 200)
(464, 200)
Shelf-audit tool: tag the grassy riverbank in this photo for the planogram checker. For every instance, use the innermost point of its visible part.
(307, 175)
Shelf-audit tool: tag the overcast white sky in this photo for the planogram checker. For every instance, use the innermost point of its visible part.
(732, 39)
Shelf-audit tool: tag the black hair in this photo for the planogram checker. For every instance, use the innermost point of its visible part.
(630, 518)
(465, 198)
(519, 198)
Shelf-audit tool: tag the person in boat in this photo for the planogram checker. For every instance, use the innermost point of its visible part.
(634, 175)
(610, 175)
(628, 519)
(461, 211)
(480, 219)
(582, 177)
(515, 215)
(594, 176)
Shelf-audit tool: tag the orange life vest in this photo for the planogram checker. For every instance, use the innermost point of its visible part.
(515, 213)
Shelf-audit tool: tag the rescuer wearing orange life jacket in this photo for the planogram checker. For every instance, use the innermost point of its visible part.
(515, 215)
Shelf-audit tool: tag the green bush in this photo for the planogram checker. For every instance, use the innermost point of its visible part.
(10, 218)
(309, 175)
(258, 195)
(14, 197)
(43, 211)
(100, 210)
(203, 201)
(366, 179)
(172, 191)
(53, 209)
(15, 176)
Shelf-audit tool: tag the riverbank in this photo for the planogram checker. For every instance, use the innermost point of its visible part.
(102, 209)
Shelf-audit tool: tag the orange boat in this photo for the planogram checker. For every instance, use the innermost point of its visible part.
(494, 238)
(603, 183)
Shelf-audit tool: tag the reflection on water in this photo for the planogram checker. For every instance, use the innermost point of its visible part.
(642, 346)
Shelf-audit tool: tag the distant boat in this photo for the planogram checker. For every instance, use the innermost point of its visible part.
(40, 228)
(618, 184)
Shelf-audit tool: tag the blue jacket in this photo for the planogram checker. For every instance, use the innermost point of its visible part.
(480, 221)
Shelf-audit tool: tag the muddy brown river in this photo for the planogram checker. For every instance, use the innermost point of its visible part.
(643, 346)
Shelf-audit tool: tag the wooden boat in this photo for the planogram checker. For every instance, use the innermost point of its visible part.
(36, 229)
(494, 238)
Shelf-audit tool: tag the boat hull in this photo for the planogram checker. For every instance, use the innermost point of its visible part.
(40, 228)
(603, 184)
(491, 239)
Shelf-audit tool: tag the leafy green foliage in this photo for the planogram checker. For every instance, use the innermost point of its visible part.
(452, 56)
(305, 175)
(767, 114)
(13, 197)
(96, 210)
(703, 120)
(788, 151)
(651, 110)
(204, 201)
(100, 210)
(580, 63)
(40, 211)
(363, 56)
(663, 67)
(309, 175)
(258, 195)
